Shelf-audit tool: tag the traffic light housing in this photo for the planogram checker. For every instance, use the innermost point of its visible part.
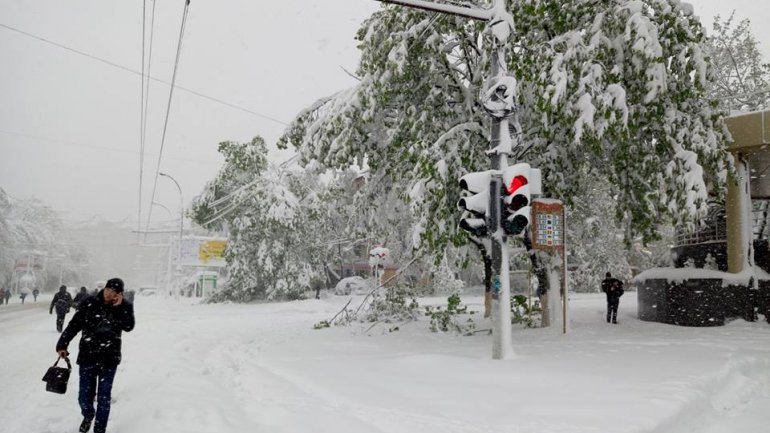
(475, 204)
(519, 182)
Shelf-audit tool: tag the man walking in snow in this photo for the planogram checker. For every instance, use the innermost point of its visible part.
(614, 290)
(62, 301)
(102, 319)
(83, 294)
(7, 295)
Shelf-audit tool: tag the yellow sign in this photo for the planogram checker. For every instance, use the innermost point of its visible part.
(212, 250)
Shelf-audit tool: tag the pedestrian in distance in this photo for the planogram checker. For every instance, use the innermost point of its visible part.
(62, 301)
(2, 295)
(7, 295)
(35, 293)
(82, 294)
(614, 290)
(316, 284)
(102, 319)
(22, 296)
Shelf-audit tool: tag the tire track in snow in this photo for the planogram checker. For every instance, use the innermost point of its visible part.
(716, 404)
(323, 410)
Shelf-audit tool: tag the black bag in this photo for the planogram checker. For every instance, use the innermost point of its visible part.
(56, 377)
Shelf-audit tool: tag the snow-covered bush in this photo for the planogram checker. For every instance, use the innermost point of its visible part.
(452, 318)
(397, 305)
(444, 281)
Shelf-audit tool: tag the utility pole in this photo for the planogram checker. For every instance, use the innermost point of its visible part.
(499, 104)
(181, 230)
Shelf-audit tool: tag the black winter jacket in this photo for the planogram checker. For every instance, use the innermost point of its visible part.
(62, 302)
(613, 287)
(102, 326)
(79, 298)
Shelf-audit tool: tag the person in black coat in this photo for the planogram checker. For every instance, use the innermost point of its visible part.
(614, 290)
(62, 301)
(82, 294)
(102, 319)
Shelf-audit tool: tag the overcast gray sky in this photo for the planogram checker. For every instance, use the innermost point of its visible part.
(69, 124)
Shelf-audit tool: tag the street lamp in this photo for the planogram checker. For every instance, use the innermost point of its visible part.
(170, 254)
(171, 214)
(181, 228)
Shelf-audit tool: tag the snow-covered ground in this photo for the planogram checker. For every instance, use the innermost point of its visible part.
(262, 368)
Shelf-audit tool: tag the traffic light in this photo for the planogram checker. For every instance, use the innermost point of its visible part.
(519, 181)
(475, 203)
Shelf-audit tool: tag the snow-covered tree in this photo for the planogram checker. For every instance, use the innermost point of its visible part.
(263, 209)
(611, 88)
(742, 80)
(356, 209)
(31, 230)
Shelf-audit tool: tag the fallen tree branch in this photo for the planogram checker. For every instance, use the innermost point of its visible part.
(331, 321)
(371, 293)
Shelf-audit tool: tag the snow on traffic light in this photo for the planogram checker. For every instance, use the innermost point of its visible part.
(475, 203)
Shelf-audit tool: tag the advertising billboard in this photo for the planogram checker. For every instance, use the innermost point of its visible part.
(200, 251)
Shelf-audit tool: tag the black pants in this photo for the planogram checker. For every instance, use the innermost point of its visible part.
(60, 321)
(612, 310)
(96, 384)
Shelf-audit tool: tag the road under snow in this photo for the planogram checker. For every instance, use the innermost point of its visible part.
(262, 368)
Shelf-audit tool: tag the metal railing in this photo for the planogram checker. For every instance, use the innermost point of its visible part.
(715, 229)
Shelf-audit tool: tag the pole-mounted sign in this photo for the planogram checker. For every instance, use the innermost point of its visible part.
(547, 225)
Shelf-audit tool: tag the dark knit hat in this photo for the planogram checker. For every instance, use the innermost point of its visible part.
(115, 284)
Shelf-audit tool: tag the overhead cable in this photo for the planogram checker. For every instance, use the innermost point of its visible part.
(107, 62)
(168, 107)
(141, 125)
(91, 146)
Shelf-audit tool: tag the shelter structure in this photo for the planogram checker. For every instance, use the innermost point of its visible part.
(732, 252)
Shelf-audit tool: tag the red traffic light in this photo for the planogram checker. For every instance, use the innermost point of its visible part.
(516, 183)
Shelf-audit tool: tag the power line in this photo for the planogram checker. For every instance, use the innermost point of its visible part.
(145, 103)
(127, 69)
(90, 146)
(149, 70)
(141, 125)
(168, 107)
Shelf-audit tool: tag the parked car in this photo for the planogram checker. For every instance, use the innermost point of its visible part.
(147, 291)
(352, 285)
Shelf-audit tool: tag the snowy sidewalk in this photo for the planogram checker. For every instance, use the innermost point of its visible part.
(262, 368)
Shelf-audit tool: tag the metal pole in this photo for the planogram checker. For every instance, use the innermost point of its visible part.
(501, 316)
(501, 295)
(564, 285)
(181, 229)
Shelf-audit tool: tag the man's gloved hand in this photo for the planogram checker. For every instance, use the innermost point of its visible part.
(63, 353)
